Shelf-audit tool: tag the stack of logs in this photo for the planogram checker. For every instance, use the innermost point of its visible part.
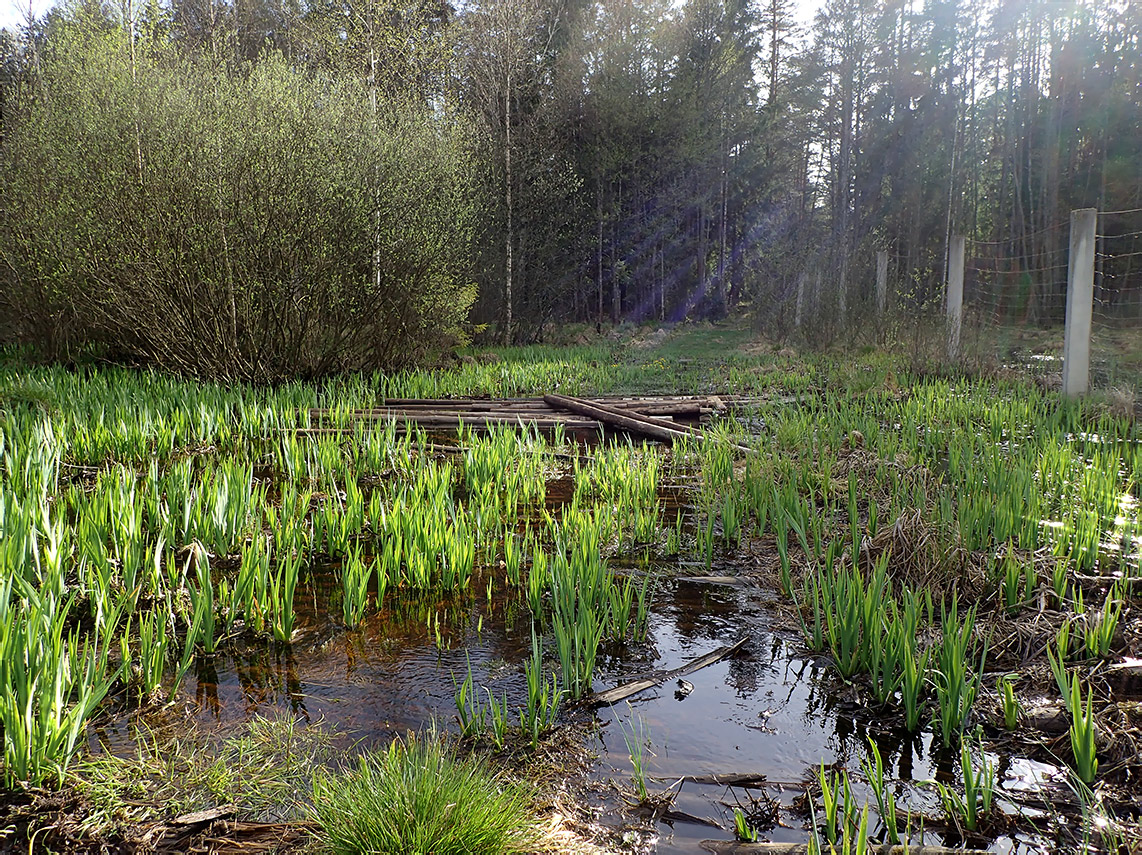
(664, 418)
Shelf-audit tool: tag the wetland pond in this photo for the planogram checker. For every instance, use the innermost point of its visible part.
(935, 588)
(770, 711)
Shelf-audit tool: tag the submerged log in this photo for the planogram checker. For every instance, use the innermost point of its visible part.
(619, 693)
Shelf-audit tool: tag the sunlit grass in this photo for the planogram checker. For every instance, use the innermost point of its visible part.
(419, 798)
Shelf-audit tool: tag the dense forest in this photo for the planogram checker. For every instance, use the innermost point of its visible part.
(257, 188)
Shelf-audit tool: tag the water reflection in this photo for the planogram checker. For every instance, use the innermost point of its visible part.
(769, 710)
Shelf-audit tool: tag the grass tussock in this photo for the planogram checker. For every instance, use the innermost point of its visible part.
(419, 798)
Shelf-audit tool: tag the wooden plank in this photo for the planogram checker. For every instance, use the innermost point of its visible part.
(403, 425)
(619, 693)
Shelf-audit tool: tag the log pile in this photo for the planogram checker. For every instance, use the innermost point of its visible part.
(663, 418)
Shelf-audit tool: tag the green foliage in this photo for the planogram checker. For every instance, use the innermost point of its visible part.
(50, 684)
(419, 798)
(979, 789)
(1005, 685)
(743, 831)
(258, 221)
(637, 743)
(543, 698)
(957, 675)
(885, 797)
(839, 807)
(1083, 730)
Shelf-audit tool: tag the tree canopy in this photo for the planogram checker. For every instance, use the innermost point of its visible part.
(257, 187)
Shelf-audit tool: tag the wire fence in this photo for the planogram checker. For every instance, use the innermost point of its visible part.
(1015, 302)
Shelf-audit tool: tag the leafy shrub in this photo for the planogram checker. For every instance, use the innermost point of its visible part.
(250, 222)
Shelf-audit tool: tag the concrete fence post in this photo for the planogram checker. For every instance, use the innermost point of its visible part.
(955, 295)
(1080, 302)
(881, 282)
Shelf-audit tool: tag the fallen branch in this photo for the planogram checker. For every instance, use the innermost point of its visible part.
(619, 693)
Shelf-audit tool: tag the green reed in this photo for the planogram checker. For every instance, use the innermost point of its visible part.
(543, 698)
(885, 798)
(637, 743)
(838, 804)
(1083, 730)
(956, 676)
(979, 790)
(578, 632)
(356, 574)
(1005, 686)
(1101, 626)
(52, 683)
(470, 711)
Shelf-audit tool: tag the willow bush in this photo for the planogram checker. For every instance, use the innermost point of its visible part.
(248, 222)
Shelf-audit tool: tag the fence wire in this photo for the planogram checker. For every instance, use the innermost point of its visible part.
(1015, 301)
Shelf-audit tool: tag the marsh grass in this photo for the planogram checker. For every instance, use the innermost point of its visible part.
(1010, 705)
(743, 831)
(101, 496)
(958, 672)
(1083, 730)
(885, 797)
(638, 747)
(979, 782)
(265, 771)
(839, 807)
(543, 698)
(418, 797)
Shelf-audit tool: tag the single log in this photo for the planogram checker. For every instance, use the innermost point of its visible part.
(730, 581)
(729, 847)
(619, 693)
(659, 408)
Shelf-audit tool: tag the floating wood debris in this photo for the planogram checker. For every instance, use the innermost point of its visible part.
(747, 780)
(619, 693)
(663, 418)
